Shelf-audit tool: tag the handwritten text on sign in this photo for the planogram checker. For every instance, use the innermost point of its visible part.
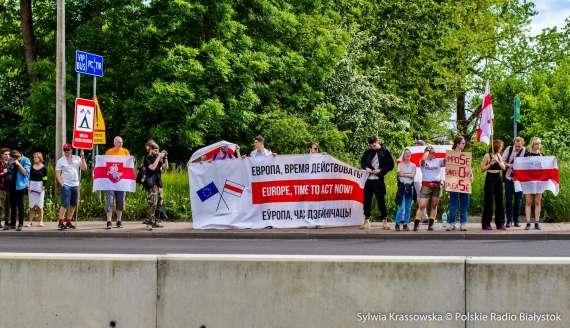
(458, 173)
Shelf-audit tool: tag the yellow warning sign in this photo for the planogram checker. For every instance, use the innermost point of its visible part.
(99, 137)
(99, 121)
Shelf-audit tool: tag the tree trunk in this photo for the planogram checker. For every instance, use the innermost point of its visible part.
(460, 114)
(30, 51)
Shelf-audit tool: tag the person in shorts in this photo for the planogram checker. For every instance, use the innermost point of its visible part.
(431, 186)
(115, 197)
(67, 176)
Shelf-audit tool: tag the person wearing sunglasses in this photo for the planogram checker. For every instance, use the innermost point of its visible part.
(67, 176)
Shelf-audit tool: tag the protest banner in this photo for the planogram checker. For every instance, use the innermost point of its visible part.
(458, 172)
(114, 173)
(285, 191)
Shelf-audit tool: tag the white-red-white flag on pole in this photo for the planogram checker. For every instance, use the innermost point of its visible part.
(114, 173)
(536, 174)
(486, 119)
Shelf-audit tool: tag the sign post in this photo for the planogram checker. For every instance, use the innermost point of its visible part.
(83, 124)
(517, 115)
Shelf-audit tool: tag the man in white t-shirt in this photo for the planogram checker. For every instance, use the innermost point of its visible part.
(259, 144)
(67, 176)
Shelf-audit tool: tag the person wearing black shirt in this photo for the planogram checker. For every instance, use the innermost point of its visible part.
(154, 163)
(36, 194)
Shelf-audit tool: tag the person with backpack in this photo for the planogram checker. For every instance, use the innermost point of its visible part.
(512, 152)
(154, 163)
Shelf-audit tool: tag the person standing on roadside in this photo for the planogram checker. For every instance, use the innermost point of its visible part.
(458, 198)
(21, 177)
(115, 196)
(533, 151)
(431, 186)
(67, 176)
(313, 150)
(493, 164)
(512, 152)
(377, 161)
(6, 167)
(406, 174)
(36, 188)
(154, 163)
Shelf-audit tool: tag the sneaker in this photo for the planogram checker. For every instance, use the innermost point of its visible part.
(109, 225)
(68, 225)
(463, 227)
(41, 224)
(20, 227)
(158, 225)
(517, 224)
(303, 227)
(397, 227)
(119, 224)
(527, 226)
(29, 224)
(503, 228)
(489, 228)
(406, 227)
(537, 226)
(318, 227)
(508, 224)
(451, 227)
(149, 227)
(61, 226)
(6, 227)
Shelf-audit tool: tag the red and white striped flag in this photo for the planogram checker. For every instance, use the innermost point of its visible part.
(486, 119)
(536, 174)
(114, 173)
(233, 188)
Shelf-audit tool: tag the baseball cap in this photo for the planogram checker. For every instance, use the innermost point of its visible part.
(67, 145)
(420, 142)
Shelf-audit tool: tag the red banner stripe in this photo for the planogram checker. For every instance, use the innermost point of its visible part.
(233, 188)
(284, 191)
(537, 175)
(101, 173)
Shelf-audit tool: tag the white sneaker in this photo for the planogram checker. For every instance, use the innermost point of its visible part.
(29, 224)
(149, 227)
(451, 227)
(463, 227)
(41, 224)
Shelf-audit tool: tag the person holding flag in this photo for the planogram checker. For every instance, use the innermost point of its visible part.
(493, 164)
(67, 176)
(533, 151)
(115, 196)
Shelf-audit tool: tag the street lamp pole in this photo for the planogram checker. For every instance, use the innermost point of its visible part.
(60, 128)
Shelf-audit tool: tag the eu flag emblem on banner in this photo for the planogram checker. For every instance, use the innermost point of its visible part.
(207, 192)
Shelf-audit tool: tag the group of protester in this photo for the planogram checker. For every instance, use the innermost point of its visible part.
(377, 161)
(19, 176)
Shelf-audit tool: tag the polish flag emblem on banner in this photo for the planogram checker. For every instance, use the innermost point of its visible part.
(114, 173)
(536, 174)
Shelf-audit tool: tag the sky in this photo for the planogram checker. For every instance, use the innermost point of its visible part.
(550, 13)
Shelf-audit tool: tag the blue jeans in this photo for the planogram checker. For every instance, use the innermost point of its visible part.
(512, 213)
(463, 198)
(406, 206)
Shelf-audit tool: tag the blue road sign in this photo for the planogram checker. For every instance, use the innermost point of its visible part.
(87, 63)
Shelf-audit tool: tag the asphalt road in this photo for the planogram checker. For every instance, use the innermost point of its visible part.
(287, 247)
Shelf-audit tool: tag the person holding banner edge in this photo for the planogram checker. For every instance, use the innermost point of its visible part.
(313, 148)
(377, 161)
(115, 196)
(406, 174)
(534, 151)
(512, 152)
(431, 186)
(493, 164)
(456, 198)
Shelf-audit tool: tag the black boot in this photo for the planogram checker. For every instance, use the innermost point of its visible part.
(430, 226)
(417, 225)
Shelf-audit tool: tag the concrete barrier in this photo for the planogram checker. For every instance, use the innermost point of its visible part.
(38, 290)
(518, 292)
(51, 290)
(306, 291)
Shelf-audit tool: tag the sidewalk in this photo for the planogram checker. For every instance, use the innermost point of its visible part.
(183, 230)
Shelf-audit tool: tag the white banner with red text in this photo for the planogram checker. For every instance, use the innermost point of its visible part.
(285, 191)
(114, 173)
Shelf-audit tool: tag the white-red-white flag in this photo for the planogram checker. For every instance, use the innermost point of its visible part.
(486, 119)
(114, 173)
(536, 174)
(418, 153)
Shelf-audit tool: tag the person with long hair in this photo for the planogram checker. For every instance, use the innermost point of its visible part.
(493, 164)
(513, 211)
(458, 198)
(431, 186)
(406, 174)
(533, 151)
(36, 188)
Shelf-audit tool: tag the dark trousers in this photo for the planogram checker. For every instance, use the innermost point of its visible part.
(375, 187)
(17, 203)
(493, 190)
(513, 213)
